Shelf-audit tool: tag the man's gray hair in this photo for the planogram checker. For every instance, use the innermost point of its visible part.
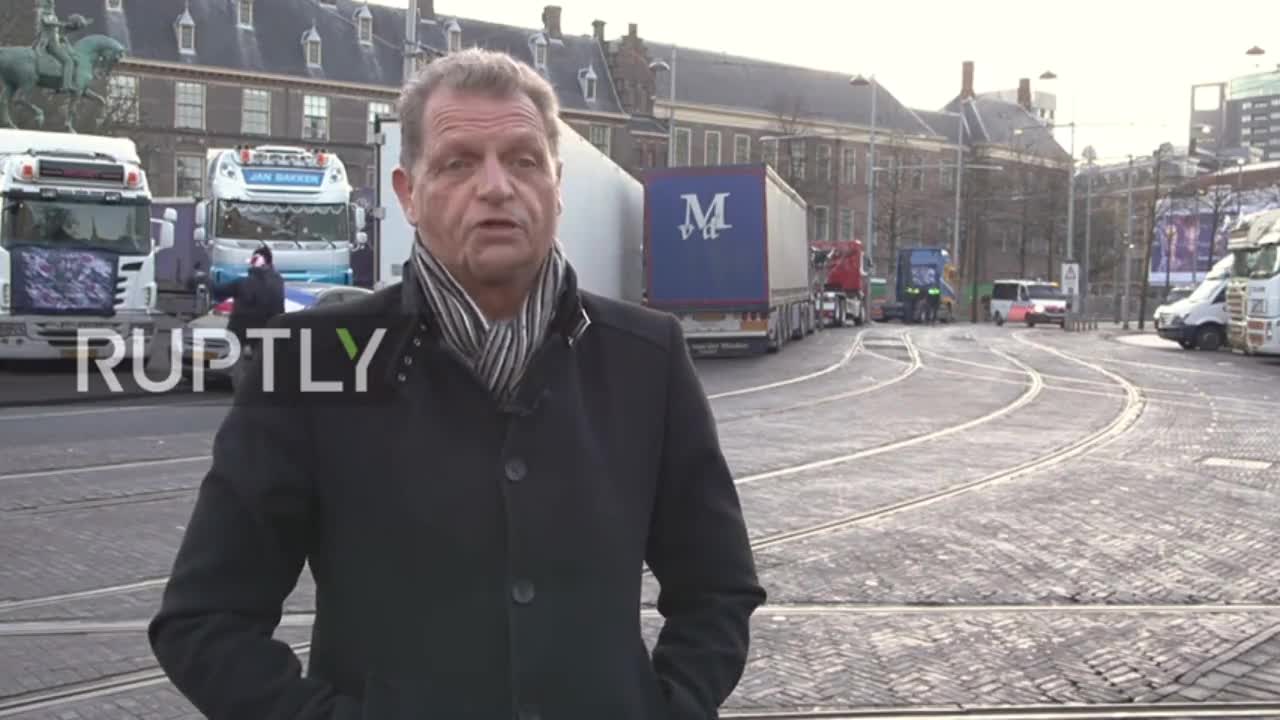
(488, 72)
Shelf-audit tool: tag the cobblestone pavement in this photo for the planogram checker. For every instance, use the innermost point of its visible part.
(984, 597)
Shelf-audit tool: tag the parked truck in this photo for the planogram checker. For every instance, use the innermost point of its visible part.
(600, 226)
(295, 200)
(1242, 243)
(1262, 297)
(920, 269)
(727, 252)
(76, 244)
(844, 291)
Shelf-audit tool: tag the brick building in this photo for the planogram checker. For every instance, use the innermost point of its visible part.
(213, 73)
(207, 73)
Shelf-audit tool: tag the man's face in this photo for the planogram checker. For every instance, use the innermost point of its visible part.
(485, 193)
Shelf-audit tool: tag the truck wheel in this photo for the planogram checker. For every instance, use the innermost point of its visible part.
(1209, 337)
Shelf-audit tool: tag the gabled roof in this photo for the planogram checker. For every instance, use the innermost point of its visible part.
(568, 57)
(786, 91)
(946, 124)
(275, 45)
(994, 121)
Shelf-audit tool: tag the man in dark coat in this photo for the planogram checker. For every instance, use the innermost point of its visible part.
(476, 502)
(258, 295)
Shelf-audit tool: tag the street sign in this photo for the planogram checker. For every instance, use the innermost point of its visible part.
(1071, 278)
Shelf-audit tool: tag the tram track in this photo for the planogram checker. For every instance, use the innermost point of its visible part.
(1119, 424)
(1258, 709)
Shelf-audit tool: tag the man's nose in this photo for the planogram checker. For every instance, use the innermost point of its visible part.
(495, 180)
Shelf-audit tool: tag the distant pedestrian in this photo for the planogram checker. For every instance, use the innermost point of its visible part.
(932, 302)
(257, 297)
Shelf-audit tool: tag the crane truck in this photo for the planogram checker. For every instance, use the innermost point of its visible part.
(844, 295)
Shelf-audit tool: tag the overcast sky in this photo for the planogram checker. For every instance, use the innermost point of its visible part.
(1117, 61)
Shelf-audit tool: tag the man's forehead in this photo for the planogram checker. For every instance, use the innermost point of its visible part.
(448, 108)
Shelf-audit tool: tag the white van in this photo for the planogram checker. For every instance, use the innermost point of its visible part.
(1044, 302)
(1200, 319)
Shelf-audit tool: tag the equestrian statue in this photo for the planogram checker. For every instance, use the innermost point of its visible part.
(56, 64)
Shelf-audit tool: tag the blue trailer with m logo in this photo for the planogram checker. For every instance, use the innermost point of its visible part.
(727, 252)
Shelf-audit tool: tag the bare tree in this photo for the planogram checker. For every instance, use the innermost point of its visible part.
(893, 184)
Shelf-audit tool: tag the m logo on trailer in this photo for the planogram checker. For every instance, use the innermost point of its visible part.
(711, 221)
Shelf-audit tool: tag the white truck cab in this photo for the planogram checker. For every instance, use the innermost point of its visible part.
(1200, 319)
(1262, 301)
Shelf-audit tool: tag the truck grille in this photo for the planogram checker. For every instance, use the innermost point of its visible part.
(128, 270)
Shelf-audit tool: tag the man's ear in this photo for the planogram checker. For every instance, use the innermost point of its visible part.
(402, 182)
(559, 188)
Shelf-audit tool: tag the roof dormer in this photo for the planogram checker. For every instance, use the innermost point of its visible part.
(538, 43)
(453, 32)
(185, 28)
(244, 14)
(364, 24)
(587, 79)
(115, 6)
(311, 47)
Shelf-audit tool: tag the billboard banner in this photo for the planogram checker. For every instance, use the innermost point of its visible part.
(1185, 245)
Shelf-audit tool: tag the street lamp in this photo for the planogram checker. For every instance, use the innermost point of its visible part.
(859, 81)
(1158, 158)
(1090, 155)
(662, 65)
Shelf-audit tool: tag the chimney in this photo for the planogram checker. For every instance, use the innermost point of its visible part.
(427, 10)
(966, 79)
(1024, 93)
(551, 20)
(598, 25)
(631, 30)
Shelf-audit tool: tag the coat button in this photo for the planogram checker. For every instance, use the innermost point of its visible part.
(417, 342)
(408, 360)
(516, 470)
(522, 592)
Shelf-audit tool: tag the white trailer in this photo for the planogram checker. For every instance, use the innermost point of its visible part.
(601, 228)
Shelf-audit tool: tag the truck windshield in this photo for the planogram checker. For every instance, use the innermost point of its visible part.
(1245, 261)
(283, 222)
(924, 275)
(1204, 292)
(115, 227)
(1267, 262)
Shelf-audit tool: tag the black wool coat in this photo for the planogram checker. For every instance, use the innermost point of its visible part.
(471, 560)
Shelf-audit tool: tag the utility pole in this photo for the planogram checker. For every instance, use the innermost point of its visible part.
(871, 182)
(1158, 156)
(955, 231)
(1128, 246)
(410, 40)
(671, 119)
(1090, 155)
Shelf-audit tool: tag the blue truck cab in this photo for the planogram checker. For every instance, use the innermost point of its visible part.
(920, 269)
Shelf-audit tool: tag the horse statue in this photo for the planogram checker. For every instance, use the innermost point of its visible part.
(21, 72)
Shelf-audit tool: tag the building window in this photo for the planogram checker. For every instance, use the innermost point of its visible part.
(848, 166)
(376, 110)
(824, 163)
(711, 148)
(684, 141)
(769, 152)
(255, 112)
(186, 34)
(600, 136)
(741, 149)
(188, 175)
(313, 45)
(820, 222)
(315, 117)
(371, 176)
(188, 109)
(846, 224)
(122, 99)
(587, 80)
(948, 175)
(540, 52)
(798, 159)
(917, 174)
(244, 14)
(364, 25)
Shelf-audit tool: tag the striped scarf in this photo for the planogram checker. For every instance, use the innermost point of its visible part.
(499, 353)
